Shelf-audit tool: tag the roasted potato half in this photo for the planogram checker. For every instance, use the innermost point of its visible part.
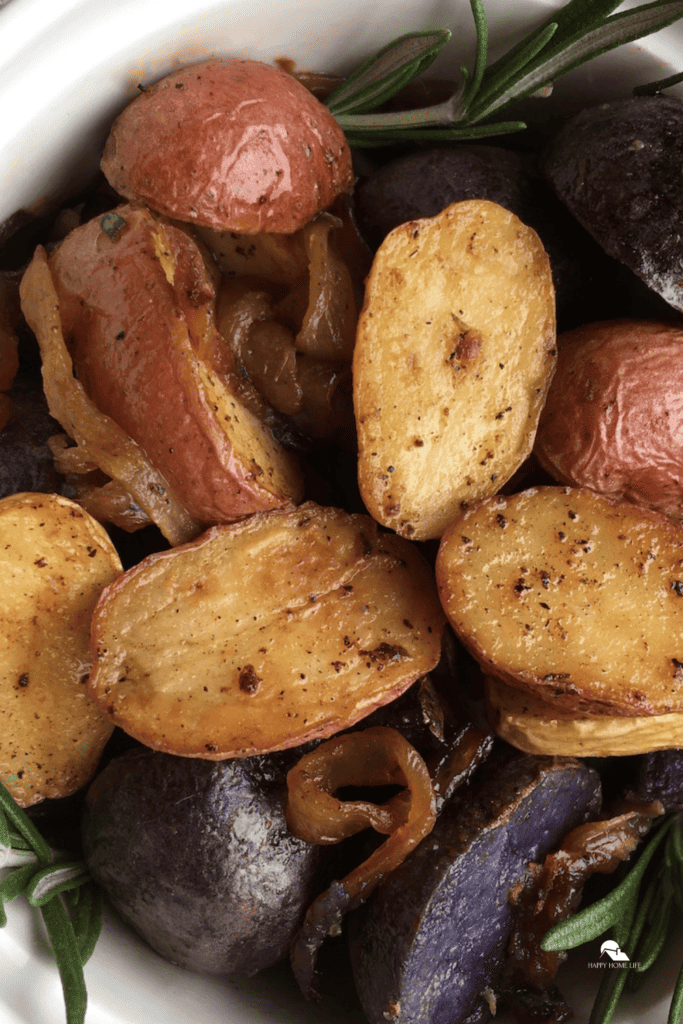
(55, 560)
(265, 633)
(571, 596)
(454, 355)
(539, 726)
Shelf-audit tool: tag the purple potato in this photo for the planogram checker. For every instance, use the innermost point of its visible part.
(659, 776)
(196, 856)
(433, 936)
(26, 462)
(617, 168)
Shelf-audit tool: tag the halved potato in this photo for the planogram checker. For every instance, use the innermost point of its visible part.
(263, 634)
(137, 307)
(55, 560)
(538, 726)
(572, 596)
(454, 355)
(233, 144)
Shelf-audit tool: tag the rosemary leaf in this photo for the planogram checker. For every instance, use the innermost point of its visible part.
(567, 54)
(652, 88)
(513, 67)
(360, 139)
(676, 1008)
(390, 70)
(15, 883)
(68, 956)
(614, 981)
(655, 938)
(85, 905)
(54, 879)
(473, 83)
(24, 826)
(592, 921)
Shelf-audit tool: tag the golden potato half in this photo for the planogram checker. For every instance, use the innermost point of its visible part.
(572, 596)
(538, 726)
(55, 561)
(454, 355)
(263, 634)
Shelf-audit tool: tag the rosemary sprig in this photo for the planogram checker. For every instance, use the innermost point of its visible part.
(69, 902)
(580, 31)
(638, 912)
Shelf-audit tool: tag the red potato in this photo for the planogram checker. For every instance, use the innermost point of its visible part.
(137, 306)
(233, 144)
(613, 419)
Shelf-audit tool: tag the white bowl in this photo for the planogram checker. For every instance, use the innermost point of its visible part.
(66, 68)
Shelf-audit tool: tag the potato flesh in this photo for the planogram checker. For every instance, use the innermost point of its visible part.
(455, 352)
(54, 562)
(572, 596)
(338, 620)
(535, 726)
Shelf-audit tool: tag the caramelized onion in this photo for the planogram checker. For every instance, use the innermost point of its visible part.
(374, 757)
(101, 440)
(328, 330)
(551, 892)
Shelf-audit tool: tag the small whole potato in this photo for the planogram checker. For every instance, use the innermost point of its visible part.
(613, 419)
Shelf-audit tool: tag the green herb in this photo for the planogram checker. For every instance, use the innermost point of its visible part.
(638, 912)
(580, 31)
(69, 902)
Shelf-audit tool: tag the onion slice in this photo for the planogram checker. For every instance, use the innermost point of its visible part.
(373, 757)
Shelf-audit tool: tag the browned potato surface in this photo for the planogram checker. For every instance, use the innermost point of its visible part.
(137, 303)
(234, 144)
(265, 633)
(538, 726)
(571, 596)
(454, 355)
(54, 562)
(613, 419)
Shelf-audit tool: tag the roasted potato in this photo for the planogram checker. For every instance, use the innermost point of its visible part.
(613, 418)
(539, 726)
(263, 634)
(617, 169)
(232, 144)
(454, 355)
(137, 305)
(571, 596)
(54, 563)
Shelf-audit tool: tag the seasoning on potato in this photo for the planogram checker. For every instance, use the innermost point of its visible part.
(613, 419)
(571, 596)
(55, 561)
(262, 634)
(455, 352)
(232, 144)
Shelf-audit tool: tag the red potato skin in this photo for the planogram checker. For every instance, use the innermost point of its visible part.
(123, 324)
(233, 144)
(613, 419)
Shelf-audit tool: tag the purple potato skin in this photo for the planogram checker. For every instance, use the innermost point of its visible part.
(26, 462)
(617, 169)
(659, 776)
(422, 183)
(196, 856)
(433, 936)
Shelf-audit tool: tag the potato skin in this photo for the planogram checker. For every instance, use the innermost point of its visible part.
(613, 418)
(233, 144)
(617, 168)
(197, 857)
